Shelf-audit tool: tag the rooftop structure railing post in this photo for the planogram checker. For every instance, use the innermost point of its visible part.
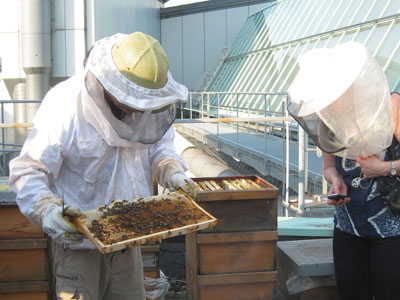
(301, 167)
(218, 114)
(6, 147)
(202, 116)
(306, 151)
(3, 142)
(284, 145)
(191, 105)
(237, 125)
(265, 124)
(287, 164)
(208, 105)
(202, 105)
(248, 114)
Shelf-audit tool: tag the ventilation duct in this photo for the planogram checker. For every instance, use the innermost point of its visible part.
(203, 165)
(36, 50)
(200, 163)
(19, 93)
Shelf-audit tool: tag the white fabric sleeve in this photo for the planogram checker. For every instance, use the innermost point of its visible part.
(35, 170)
(164, 159)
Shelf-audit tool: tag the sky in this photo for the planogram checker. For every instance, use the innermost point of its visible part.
(171, 3)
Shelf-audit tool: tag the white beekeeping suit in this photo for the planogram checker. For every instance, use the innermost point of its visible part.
(81, 150)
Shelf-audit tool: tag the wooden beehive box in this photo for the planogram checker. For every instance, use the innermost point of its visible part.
(241, 209)
(151, 260)
(24, 265)
(311, 259)
(236, 259)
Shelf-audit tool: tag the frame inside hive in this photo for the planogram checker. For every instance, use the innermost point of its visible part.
(125, 224)
(224, 188)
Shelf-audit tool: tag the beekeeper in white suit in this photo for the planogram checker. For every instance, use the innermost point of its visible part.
(100, 136)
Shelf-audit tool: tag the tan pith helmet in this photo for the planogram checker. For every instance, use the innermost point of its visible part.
(141, 59)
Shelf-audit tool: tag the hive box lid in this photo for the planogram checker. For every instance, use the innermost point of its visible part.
(303, 226)
(307, 257)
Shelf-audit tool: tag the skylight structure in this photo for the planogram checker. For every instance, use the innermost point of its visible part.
(264, 54)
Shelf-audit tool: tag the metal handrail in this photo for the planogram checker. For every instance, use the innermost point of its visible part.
(279, 120)
(5, 147)
(204, 112)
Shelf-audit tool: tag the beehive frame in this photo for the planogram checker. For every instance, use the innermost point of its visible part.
(210, 222)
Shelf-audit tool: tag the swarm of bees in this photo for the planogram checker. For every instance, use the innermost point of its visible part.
(123, 220)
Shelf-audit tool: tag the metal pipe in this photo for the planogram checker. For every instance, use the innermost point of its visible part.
(241, 93)
(16, 125)
(301, 173)
(287, 164)
(3, 141)
(305, 163)
(229, 120)
(36, 50)
(19, 93)
(203, 165)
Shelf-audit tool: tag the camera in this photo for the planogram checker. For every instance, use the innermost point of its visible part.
(389, 188)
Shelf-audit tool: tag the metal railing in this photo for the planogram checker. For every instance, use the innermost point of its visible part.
(8, 147)
(209, 75)
(205, 108)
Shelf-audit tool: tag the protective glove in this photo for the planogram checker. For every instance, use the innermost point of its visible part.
(181, 181)
(59, 227)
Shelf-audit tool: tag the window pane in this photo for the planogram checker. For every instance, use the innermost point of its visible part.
(393, 8)
(338, 13)
(349, 15)
(304, 20)
(348, 36)
(331, 6)
(291, 20)
(333, 41)
(361, 15)
(362, 34)
(393, 72)
(388, 45)
(376, 37)
(378, 10)
(315, 18)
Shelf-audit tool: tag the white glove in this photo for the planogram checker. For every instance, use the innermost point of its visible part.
(58, 227)
(181, 181)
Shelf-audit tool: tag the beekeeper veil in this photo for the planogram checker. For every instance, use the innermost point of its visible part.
(133, 69)
(342, 100)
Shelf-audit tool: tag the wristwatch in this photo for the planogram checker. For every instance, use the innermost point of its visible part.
(393, 170)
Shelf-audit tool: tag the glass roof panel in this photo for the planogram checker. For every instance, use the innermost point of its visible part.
(263, 57)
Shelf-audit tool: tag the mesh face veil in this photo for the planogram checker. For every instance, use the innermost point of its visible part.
(151, 126)
(145, 127)
(341, 99)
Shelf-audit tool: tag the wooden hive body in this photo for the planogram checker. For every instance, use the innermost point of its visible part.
(237, 259)
(24, 257)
